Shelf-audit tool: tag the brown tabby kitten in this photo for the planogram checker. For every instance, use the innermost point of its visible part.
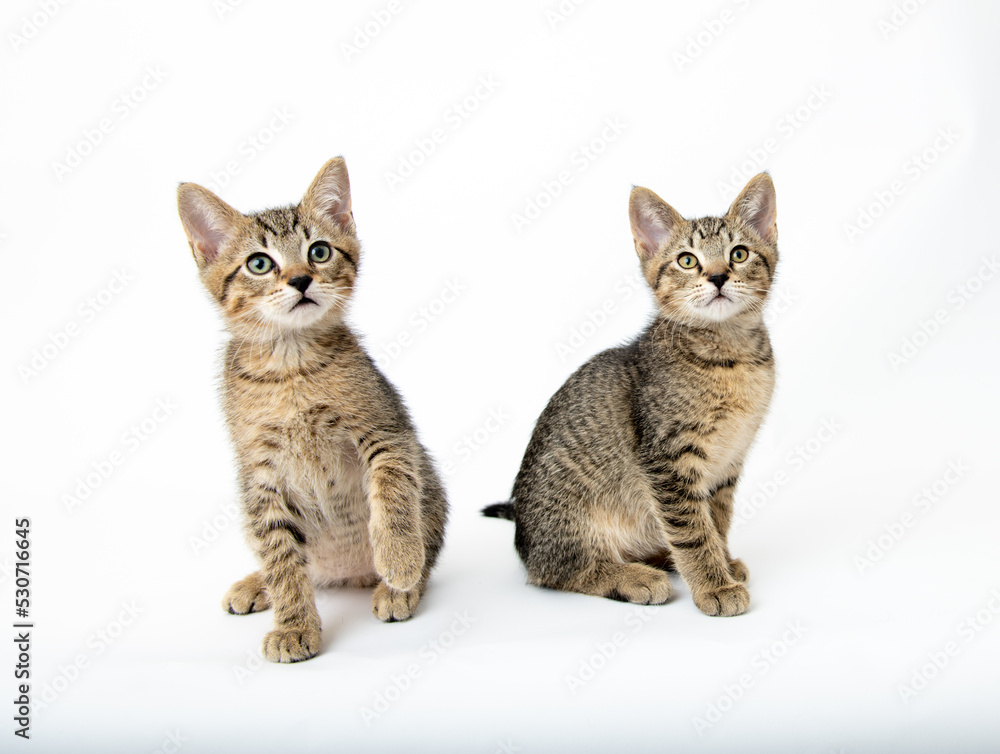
(633, 464)
(337, 489)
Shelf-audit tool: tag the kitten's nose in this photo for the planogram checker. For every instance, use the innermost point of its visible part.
(719, 280)
(300, 283)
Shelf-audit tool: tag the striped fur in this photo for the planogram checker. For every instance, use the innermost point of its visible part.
(337, 489)
(633, 464)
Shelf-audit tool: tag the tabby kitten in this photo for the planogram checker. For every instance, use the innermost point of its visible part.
(336, 487)
(632, 466)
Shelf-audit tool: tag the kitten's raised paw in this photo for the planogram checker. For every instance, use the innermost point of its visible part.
(738, 570)
(391, 605)
(725, 601)
(247, 596)
(291, 644)
(635, 582)
(400, 561)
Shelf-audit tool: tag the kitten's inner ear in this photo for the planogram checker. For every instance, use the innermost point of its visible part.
(329, 195)
(757, 206)
(208, 221)
(654, 222)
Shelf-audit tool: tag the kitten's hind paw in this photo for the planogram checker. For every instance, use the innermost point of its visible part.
(725, 601)
(291, 644)
(247, 596)
(634, 582)
(390, 605)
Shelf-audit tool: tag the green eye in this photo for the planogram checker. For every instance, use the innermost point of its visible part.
(320, 252)
(687, 261)
(260, 264)
(740, 254)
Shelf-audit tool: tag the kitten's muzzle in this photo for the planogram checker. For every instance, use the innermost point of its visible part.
(301, 283)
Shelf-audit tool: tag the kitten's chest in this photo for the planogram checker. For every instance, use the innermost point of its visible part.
(303, 423)
(728, 404)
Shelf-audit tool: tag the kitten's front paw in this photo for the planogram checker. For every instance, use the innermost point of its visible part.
(246, 596)
(400, 562)
(291, 644)
(390, 605)
(725, 601)
(738, 570)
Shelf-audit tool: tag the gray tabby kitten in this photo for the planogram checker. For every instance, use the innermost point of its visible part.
(633, 464)
(337, 488)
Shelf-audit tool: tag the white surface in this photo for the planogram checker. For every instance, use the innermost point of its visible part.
(502, 684)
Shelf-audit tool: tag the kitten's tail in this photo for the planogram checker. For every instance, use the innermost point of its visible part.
(500, 510)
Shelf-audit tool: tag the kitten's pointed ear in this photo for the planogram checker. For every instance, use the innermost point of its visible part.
(757, 207)
(654, 222)
(330, 194)
(208, 221)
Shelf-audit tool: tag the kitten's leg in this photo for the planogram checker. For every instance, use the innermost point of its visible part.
(688, 519)
(394, 489)
(700, 555)
(389, 604)
(699, 550)
(276, 530)
(247, 596)
(578, 552)
(722, 515)
(626, 582)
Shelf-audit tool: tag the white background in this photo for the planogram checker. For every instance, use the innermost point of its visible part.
(158, 534)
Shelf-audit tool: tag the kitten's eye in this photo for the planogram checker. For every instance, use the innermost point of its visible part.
(319, 252)
(687, 261)
(260, 264)
(739, 254)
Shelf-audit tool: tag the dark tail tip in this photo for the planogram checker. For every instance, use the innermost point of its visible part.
(500, 510)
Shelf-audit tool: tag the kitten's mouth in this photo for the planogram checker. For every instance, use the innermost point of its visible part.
(304, 301)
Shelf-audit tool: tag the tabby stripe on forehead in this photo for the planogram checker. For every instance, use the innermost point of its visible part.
(267, 226)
